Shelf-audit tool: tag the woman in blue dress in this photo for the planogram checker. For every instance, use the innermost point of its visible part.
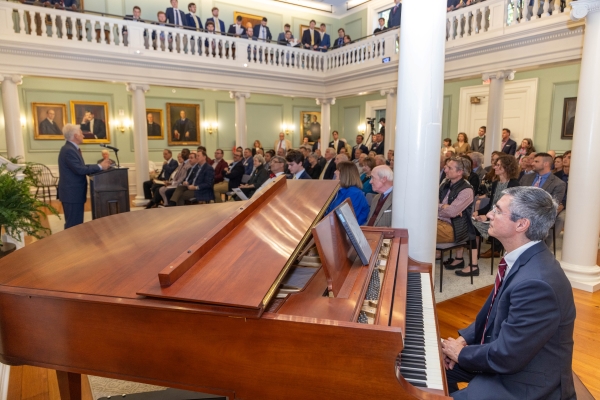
(351, 188)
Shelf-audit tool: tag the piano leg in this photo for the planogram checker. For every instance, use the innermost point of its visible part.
(69, 385)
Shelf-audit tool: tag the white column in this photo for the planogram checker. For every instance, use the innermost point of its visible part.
(582, 225)
(12, 116)
(241, 128)
(419, 127)
(390, 119)
(140, 140)
(325, 104)
(495, 114)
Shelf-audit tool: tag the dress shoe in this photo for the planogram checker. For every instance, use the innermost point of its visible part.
(449, 261)
(461, 264)
(488, 254)
(149, 205)
(475, 272)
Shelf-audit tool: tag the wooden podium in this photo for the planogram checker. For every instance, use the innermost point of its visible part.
(109, 191)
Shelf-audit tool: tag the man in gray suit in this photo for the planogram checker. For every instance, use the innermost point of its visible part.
(382, 180)
(478, 143)
(521, 343)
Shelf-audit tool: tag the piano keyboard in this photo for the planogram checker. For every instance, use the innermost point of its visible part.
(419, 362)
(369, 308)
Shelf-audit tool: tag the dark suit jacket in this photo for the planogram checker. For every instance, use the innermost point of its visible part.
(330, 169)
(49, 128)
(190, 21)
(363, 148)
(182, 128)
(315, 172)
(476, 147)
(510, 147)
(338, 42)
(378, 29)
(528, 345)
(553, 185)
(72, 186)
(232, 30)
(395, 17)
(204, 183)
(341, 143)
(306, 37)
(256, 31)
(153, 129)
(316, 146)
(304, 175)
(378, 148)
(99, 128)
(235, 175)
(171, 16)
(221, 23)
(168, 169)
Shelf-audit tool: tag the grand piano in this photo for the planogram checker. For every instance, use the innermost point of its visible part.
(263, 299)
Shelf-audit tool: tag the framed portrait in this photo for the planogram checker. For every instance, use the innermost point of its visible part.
(154, 119)
(48, 120)
(183, 124)
(248, 19)
(302, 29)
(310, 124)
(568, 123)
(92, 117)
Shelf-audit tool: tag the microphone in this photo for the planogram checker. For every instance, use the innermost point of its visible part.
(109, 147)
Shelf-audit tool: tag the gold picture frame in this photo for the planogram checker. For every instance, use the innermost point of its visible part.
(101, 126)
(48, 126)
(177, 138)
(309, 127)
(157, 119)
(251, 19)
(302, 29)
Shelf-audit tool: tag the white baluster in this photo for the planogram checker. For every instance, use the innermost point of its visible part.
(546, 8)
(452, 23)
(23, 23)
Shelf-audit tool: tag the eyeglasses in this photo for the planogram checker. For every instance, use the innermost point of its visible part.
(495, 211)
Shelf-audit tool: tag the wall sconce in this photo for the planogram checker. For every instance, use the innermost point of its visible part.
(287, 129)
(210, 127)
(362, 128)
(125, 124)
(23, 122)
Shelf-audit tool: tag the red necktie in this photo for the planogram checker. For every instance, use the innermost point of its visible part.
(271, 176)
(499, 277)
(377, 210)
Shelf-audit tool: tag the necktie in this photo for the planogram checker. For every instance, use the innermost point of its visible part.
(176, 15)
(271, 175)
(538, 181)
(499, 277)
(217, 25)
(196, 22)
(80, 153)
(340, 41)
(312, 37)
(377, 210)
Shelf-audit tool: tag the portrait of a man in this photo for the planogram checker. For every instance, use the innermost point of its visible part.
(183, 121)
(568, 125)
(311, 125)
(154, 119)
(49, 120)
(92, 118)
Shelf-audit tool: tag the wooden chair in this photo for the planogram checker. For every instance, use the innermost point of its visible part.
(43, 179)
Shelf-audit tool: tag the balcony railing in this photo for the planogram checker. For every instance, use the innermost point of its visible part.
(26, 23)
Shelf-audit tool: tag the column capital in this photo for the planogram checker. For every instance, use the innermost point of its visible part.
(391, 91)
(325, 101)
(506, 74)
(18, 79)
(131, 87)
(581, 8)
(239, 95)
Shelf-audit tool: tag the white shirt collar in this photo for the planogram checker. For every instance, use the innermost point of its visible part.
(388, 192)
(511, 258)
(74, 144)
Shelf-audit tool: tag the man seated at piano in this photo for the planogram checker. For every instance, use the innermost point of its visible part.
(382, 181)
(521, 343)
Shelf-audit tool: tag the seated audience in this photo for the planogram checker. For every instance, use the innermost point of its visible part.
(477, 159)
(473, 177)
(359, 162)
(202, 186)
(462, 144)
(558, 164)
(314, 170)
(269, 154)
(232, 177)
(295, 163)
(177, 178)
(278, 166)
(256, 146)
(564, 176)
(208, 159)
(525, 149)
(178, 192)
(358, 146)
(219, 164)
(365, 178)
(169, 165)
(247, 162)
(379, 160)
(328, 170)
(390, 156)
(526, 166)
(351, 188)
(382, 181)
(455, 202)
(305, 150)
(258, 177)
(340, 158)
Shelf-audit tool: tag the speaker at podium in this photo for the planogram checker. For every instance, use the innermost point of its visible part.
(109, 191)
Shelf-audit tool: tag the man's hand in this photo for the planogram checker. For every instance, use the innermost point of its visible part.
(192, 187)
(452, 348)
(187, 134)
(560, 208)
(105, 164)
(185, 183)
(444, 206)
(177, 135)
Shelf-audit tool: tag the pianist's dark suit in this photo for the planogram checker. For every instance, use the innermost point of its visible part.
(528, 347)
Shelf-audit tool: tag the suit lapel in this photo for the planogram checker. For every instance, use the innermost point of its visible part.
(386, 204)
(546, 184)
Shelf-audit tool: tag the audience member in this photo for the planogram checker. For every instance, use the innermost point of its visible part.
(339, 42)
(282, 39)
(325, 39)
(269, 154)
(359, 145)
(462, 144)
(347, 39)
(218, 24)
(477, 159)
(314, 170)
(311, 38)
(258, 177)
(478, 143)
(508, 145)
(525, 149)
(337, 143)
(378, 145)
(558, 164)
(262, 31)
(328, 170)
(281, 152)
(564, 176)
(232, 177)
(247, 162)
(350, 188)
(317, 145)
(473, 177)
(277, 169)
(359, 161)
(295, 162)
(208, 159)
(106, 156)
(305, 150)
(164, 193)
(178, 192)
(193, 21)
(455, 202)
(256, 146)
(382, 181)
(390, 157)
(381, 27)
(237, 29)
(447, 147)
(365, 178)
(526, 166)
(219, 164)
(340, 158)
(379, 160)
(175, 16)
(395, 12)
(282, 143)
(382, 128)
(495, 155)
(135, 17)
(162, 21)
(202, 187)
(552, 153)
(169, 165)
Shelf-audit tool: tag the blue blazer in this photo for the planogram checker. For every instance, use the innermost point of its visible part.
(205, 178)
(190, 21)
(248, 165)
(510, 147)
(304, 175)
(325, 42)
(528, 345)
(72, 186)
(221, 24)
(394, 18)
(256, 31)
(168, 169)
(358, 199)
(171, 16)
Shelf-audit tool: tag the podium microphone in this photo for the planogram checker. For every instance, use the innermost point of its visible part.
(109, 147)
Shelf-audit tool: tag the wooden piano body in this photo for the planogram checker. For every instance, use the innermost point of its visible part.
(190, 298)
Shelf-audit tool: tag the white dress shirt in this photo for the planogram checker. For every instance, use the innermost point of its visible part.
(511, 258)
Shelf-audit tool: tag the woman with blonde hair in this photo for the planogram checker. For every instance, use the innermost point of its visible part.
(351, 188)
(256, 146)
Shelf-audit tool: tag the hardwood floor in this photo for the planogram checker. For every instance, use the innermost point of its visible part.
(31, 383)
